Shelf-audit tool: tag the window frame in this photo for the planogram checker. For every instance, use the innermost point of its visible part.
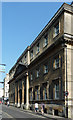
(45, 93)
(45, 40)
(45, 69)
(37, 97)
(57, 90)
(37, 73)
(38, 48)
(56, 29)
(31, 95)
(31, 54)
(57, 62)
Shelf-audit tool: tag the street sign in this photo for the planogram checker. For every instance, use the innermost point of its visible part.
(66, 93)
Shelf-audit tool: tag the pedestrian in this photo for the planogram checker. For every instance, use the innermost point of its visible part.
(36, 107)
(8, 103)
(42, 108)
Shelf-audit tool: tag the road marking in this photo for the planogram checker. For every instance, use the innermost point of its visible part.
(7, 114)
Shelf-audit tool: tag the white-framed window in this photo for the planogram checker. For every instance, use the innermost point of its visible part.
(56, 28)
(31, 54)
(45, 40)
(37, 73)
(45, 68)
(38, 48)
(57, 91)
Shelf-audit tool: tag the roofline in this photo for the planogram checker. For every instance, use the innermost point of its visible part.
(23, 53)
(57, 14)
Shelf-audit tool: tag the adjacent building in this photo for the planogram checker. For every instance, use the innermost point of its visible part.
(6, 87)
(1, 92)
(44, 72)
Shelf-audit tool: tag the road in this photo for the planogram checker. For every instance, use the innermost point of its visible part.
(15, 113)
(12, 112)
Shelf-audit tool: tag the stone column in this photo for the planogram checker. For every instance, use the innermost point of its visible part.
(27, 91)
(18, 97)
(15, 94)
(39, 91)
(22, 93)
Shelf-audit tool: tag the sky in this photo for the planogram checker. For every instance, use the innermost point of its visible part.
(21, 23)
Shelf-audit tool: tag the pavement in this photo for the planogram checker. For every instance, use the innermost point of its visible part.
(46, 115)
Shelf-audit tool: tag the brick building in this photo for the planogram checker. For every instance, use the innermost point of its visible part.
(44, 72)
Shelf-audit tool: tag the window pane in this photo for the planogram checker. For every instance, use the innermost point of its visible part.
(57, 90)
(57, 29)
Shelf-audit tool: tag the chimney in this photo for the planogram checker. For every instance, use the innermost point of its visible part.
(72, 3)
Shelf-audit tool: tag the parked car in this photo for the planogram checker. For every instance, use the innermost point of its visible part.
(0, 102)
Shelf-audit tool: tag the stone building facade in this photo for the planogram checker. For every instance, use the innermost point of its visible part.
(6, 87)
(44, 72)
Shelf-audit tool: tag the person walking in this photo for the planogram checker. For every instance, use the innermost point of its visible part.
(42, 108)
(36, 107)
(8, 103)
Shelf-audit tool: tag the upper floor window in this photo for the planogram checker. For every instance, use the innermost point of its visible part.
(45, 40)
(45, 68)
(57, 29)
(56, 63)
(56, 90)
(38, 48)
(31, 54)
(37, 73)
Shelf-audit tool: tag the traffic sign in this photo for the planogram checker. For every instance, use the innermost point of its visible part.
(66, 93)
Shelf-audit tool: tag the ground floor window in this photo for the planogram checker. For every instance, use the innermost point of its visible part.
(37, 94)
(45, 93)
(56, 90)
(31, 95)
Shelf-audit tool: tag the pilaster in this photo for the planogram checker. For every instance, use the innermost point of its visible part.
(27, 91)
